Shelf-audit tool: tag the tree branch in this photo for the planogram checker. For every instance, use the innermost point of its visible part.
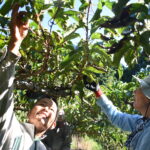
(38, 90)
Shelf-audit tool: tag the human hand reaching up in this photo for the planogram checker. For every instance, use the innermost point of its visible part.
(93, 86)
(18, 29)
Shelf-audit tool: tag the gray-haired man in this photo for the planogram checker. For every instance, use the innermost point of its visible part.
(138, 125)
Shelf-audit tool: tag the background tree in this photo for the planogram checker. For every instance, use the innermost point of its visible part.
(53, 65)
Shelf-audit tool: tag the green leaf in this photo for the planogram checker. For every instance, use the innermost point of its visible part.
(71, 12)
(118, 55)
(53, 11)
(137, 7)
(95, 36)
(56, 37)
(71, 36)
(23, 53)
(34, 25)
(120, 71)
(109, 4)
(144, 39)
(46, 6)
(117, 8)
(96, 24)
(129, 56)
(83, 6)
(96, 15)
(60, 18)
(70, 4)
(2, 41)
(91, 69)
(100, 5)
(4, 21)
(146, 1)
(69, 58)
(61, 22)
(6, 7)
(97, 49)
(39, 5)
(82, 1)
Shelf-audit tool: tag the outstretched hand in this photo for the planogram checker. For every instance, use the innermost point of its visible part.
(93, 86)
(19, 26)
(18, 29)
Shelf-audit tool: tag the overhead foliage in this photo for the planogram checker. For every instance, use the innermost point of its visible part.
(78, 40)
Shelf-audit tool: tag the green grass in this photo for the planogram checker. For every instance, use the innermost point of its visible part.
(84, 143)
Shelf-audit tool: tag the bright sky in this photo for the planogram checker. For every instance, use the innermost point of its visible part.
(105, 11)
(92, 11)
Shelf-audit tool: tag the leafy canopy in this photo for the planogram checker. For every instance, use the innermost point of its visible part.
(78, 40)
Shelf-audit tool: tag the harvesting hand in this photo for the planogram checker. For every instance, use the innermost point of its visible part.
(18, 29)
(93, 86)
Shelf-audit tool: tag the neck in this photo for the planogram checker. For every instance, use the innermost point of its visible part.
(39, 134)
(146, 113)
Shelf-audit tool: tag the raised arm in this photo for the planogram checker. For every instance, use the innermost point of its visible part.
(122, 120)
(7, 68)
(19, 30)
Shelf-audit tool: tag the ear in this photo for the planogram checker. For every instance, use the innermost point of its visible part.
(53, 125)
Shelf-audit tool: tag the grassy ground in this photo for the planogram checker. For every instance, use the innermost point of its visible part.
(84, 143)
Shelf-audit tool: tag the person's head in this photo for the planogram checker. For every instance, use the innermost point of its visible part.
(43, 115)
(142, 95)
(61, 115)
